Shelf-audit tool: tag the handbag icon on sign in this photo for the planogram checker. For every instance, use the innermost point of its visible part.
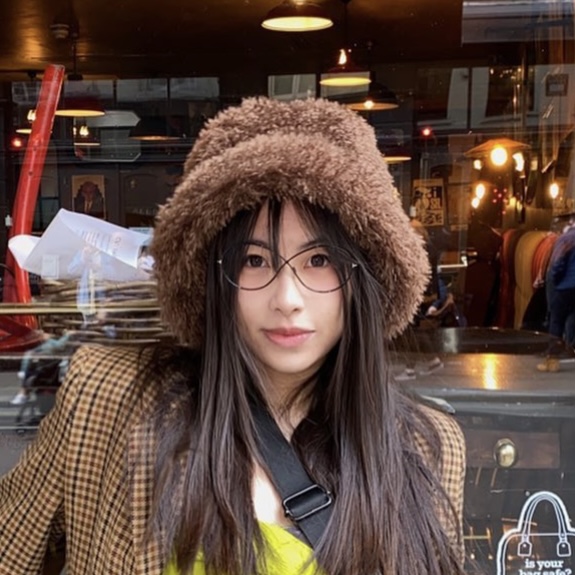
(535, 547)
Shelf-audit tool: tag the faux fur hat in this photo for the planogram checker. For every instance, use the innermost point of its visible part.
(311, 150)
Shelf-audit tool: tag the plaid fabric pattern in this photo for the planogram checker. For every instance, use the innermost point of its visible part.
(74, 478)
(451, 473)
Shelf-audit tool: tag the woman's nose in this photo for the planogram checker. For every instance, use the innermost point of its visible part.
(287, 295)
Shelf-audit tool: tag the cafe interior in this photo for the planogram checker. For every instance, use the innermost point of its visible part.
(473, 107)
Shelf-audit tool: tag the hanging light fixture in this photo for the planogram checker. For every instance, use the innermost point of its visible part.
(378, 97)
(297, 16)
(81, 105)
(346, 73)
(161, 128)
(396, 155)
(497, 151)
(155, 129)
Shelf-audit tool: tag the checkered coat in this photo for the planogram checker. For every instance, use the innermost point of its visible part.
(82, 477)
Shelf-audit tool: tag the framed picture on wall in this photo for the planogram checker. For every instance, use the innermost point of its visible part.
(89, 195)
(428, 200)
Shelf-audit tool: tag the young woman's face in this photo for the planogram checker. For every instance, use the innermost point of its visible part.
(288, 327)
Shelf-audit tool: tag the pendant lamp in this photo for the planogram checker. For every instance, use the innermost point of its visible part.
(346, 73)
(297, 16)
(378, 98)
(155, 129)
(81, 105)
(165, 127)
(396, 155)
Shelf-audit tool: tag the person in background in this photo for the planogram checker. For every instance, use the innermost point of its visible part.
(31, 362)
(284, 266)
(561, 297)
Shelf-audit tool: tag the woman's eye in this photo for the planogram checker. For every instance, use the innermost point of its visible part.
(254, 261)
(319, 260)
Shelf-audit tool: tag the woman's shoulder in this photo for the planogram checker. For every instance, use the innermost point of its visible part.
(99, 365)
(125, 378)
(437, 423)
(102, 379)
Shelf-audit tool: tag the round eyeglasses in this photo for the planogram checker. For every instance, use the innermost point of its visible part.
(320, 268)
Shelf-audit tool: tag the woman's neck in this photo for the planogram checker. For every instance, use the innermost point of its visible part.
(288, 402)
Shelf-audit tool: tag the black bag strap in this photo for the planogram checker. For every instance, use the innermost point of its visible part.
(304, 501)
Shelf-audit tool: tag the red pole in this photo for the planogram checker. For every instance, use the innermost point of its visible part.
(30, 177)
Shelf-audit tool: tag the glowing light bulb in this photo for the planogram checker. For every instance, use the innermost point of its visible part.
(554, 190)
(475, 202)
(519, 161)
(477, 164)
(480, 190)
(499, 156)
(17, 143)
(342, 58)
(368, 104)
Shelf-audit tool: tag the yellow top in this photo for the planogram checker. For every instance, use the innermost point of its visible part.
(285, 554)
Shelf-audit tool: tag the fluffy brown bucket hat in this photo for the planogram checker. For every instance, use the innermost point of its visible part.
(311, 150)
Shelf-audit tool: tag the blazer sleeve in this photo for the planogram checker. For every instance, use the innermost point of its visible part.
(32, 521)
(451, 474)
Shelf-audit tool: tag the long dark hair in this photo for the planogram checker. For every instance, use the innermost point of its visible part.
(357, 439)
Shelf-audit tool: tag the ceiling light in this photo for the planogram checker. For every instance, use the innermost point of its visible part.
(379, 97)
(486, 148)
(397, 155)
(155, 129)
(498, 156)
(297, 16)
(345, 73)
(81, 106)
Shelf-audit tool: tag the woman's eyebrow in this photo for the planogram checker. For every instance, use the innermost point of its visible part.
(260, 243)
(313, 243)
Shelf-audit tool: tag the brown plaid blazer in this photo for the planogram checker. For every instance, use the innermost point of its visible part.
(74, 478)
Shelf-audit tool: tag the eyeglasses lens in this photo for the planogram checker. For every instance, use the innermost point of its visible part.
(319, 268)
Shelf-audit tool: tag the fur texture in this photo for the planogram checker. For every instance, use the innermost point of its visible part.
(311, 150)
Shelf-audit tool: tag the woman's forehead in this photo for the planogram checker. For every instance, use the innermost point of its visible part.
(291, 224)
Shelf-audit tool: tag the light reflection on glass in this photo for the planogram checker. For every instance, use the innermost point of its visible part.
(489, 371)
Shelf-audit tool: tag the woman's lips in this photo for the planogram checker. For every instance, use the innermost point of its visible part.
(288, 337)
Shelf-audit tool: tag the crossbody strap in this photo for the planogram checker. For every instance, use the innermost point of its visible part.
(306, 503)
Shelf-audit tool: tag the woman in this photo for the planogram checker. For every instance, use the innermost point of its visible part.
(284, 265)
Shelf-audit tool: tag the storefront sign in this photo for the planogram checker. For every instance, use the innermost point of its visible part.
(538, 545)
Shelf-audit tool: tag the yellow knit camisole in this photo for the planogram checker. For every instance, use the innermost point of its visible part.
(285, 554)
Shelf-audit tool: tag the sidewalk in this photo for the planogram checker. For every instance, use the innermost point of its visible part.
(12, 442)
